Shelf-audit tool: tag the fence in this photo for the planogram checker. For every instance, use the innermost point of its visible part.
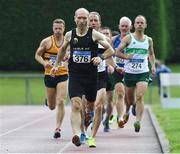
(169, 81)
(29, 89)
(21, 88)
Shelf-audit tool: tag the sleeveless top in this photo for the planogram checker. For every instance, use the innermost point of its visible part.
(119, 61)
(139, 63)
(51, 55)
(82, 50)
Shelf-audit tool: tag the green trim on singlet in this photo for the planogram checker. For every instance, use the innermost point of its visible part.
(136, 51)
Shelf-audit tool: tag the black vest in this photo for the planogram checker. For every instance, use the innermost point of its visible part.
(82, 50)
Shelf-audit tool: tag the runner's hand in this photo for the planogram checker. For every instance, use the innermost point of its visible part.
(110, 69)
(53, 71)
(120, 70)
(153, 70)
(48, 65)
(96, 60)
(129, 56)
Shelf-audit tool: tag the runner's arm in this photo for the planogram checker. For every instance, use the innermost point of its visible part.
(152, 58)
(101, 39)
(41, 49)
(62, 50)
(123, 44)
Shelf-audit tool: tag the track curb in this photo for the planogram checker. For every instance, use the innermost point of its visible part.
(164, 143)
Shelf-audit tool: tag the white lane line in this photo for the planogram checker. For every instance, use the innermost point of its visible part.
(25, 125)
(65, 147)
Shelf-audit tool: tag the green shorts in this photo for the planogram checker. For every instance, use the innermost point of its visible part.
(130, 80)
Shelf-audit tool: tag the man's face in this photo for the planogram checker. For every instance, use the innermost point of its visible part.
(124, 27)
(106, 32)
(140, 24)
(58, 28)
(81, 19)
(94, 21)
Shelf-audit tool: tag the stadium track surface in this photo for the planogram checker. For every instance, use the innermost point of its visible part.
(29, 129)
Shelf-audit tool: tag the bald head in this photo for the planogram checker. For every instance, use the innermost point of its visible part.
(81, 18)
(81, 10)
(140, 23)
(141, 17)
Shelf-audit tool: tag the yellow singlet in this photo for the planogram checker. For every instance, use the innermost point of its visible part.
(50, 55)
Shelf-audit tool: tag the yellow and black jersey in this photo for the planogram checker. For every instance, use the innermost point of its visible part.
(51, 55)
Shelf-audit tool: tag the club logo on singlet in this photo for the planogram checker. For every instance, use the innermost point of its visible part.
(75, 40)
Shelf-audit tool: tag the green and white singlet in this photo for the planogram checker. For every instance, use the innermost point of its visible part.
(139, 63)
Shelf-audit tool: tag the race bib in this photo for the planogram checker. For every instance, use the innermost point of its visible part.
(137, 64)
(119, 60)
(53, 60)
(82, 56)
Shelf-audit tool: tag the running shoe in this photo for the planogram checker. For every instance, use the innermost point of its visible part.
(112, 119)
(106, 126)
(126, 118)
(121, 124)
(76, 140)
(137, 126)
(133, 109)
(57, 133)
(86, 136)
(83, 138)
(91, 142)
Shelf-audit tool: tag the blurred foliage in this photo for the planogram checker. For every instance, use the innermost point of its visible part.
(24, 23)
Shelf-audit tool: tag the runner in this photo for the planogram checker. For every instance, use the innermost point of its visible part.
(138, 48)
(56, 86)
(82, 66)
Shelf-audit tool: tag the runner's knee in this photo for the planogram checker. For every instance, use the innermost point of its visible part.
(99, 106)
(60, 101)
(76, 104)
(139, 97)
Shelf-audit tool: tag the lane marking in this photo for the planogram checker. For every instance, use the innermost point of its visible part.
(25, 125)
(64, 148)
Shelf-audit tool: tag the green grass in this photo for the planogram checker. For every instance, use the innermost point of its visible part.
(174, 68)
(169, 120)
(13, 91)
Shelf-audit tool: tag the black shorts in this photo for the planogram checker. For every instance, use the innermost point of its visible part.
(110, 82)
(51, 82)
(79, 86)
(118, 77)
(102, 80)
